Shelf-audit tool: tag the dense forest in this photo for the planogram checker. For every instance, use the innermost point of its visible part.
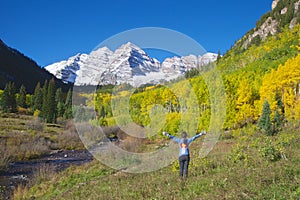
(265, 73)
(48, 101)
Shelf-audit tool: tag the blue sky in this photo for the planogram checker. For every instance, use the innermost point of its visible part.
(52, 30)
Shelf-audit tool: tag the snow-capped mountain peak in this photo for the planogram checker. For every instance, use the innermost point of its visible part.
(127, 64)
(128, 46)
(102, 50)
(66, 69)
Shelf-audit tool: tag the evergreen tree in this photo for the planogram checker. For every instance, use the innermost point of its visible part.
(12, 98)
(192, 73)
(59, 95)
(50, 114)
(279, 103)
(60, 109)
(219, 56)
(256, 40)
(59, 102)
(44, 104)
(9, 103)
(279, 112)
(5, 99)
(38, 97)
(22, 97)
(264, 122)
(68, 106)
(288, 16)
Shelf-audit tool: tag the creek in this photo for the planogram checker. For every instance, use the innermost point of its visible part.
(22, 172)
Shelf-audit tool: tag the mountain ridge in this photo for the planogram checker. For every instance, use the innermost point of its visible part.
(22, 70)
(283, 13)
(127, 64)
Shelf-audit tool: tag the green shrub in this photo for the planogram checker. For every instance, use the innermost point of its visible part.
(270, 151)
(238, 153)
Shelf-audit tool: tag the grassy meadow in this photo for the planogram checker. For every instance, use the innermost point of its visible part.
(244, 164)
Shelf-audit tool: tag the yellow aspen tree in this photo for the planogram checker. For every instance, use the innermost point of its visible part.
(245, 102)
(286, 80)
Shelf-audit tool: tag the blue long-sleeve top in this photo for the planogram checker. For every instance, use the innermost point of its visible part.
(183, 145)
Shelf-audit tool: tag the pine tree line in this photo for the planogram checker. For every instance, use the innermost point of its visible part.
(47, 102)
(8, 100)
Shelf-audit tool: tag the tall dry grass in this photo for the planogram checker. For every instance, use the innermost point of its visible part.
(5, 157)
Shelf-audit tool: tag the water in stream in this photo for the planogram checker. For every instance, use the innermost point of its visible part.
(23, 171)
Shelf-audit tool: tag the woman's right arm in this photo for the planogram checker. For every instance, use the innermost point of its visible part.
(171, 136)
(167, 134)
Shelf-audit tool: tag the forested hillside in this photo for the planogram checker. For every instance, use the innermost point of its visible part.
(18, 68)
(250, 78)
(245, 74)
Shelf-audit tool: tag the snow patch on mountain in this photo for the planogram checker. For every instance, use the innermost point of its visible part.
(127, 64)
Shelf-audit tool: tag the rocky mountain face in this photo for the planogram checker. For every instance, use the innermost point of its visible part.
(284, 13)
(127, 64)
(274, 4)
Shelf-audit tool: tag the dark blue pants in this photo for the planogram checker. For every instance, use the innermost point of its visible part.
(184, 165)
